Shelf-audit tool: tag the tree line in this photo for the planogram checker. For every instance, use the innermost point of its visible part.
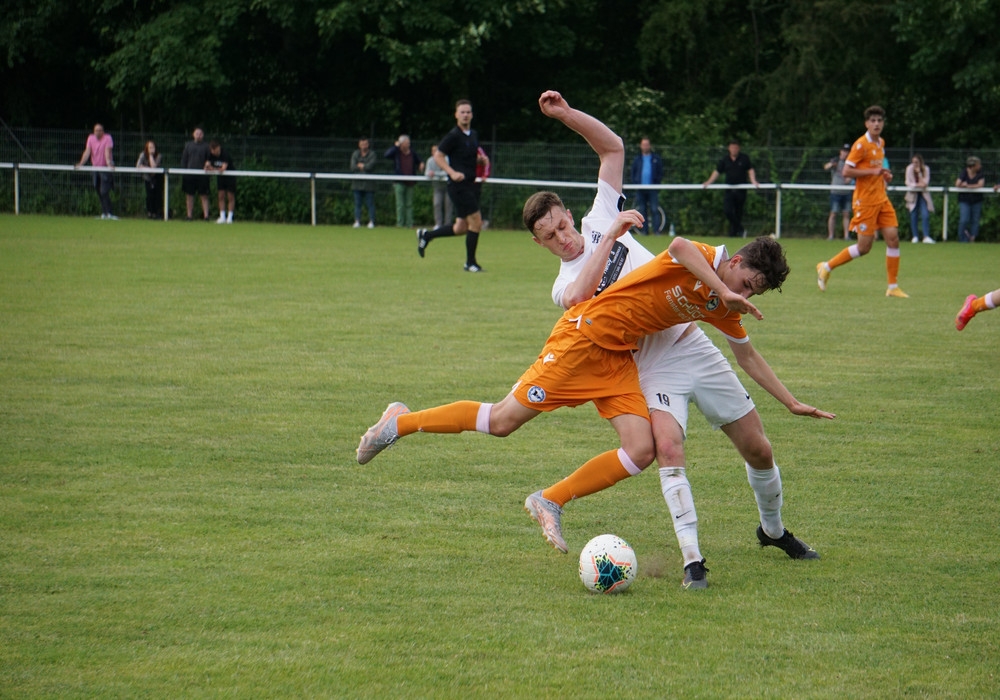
(771, 72)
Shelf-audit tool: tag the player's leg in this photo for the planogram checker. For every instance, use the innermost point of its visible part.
(611, 381)
(668, 373)
(398, 421)
(747, 435)
(668, 435)
(888, 226)
(863, 224)
(973, 305)
(474, 224)
(467, 220)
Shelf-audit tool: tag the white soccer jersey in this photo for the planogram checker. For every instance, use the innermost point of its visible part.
(671, 374)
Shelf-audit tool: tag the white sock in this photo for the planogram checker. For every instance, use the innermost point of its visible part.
(483, 418)
(766, 485)
(677, 493)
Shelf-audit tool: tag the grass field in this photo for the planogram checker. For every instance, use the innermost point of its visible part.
(182, 513)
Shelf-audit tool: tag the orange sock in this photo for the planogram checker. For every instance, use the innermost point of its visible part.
(980, 304)
(599, 473)
(892, 265)
(452, 418)
(841, 258)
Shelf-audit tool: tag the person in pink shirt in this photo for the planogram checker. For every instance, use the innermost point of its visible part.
(99, 152)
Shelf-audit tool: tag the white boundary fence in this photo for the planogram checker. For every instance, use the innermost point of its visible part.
(546, 184)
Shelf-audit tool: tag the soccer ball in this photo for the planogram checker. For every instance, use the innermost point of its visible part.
(608, 564)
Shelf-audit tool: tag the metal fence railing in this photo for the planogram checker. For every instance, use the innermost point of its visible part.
(787, 199)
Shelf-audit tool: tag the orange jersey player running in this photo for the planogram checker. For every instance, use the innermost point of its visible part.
(588, 357)
(973, 305)
(872, 209)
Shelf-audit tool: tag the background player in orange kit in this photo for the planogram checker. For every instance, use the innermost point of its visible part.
(873, 212)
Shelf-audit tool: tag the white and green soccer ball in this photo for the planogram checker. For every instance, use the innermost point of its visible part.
(608, 564)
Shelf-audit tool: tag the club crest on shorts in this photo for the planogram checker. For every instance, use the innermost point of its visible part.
(536, 394)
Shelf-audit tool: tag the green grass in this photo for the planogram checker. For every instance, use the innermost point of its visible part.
(182, 514)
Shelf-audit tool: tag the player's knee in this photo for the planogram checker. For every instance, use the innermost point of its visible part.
(641, 454)
(502, 427)
(758, 454)
(670, 453)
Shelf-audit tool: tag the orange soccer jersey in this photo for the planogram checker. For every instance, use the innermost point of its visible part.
(660, 294)
(588, 356)
(869, 190)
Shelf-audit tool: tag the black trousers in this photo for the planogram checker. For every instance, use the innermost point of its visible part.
(733, 203)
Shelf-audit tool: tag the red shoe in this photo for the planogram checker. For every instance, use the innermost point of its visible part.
(966, 314)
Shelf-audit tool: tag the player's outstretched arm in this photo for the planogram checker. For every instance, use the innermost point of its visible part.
(756, 366)
(606, 144)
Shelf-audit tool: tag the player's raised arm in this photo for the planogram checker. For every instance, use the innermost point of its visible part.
(606, 144)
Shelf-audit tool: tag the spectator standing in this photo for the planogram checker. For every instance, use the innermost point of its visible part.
(647, 169)
(219, 162)
(737, 168)
(918, 200)
(98, 151)
(840, 200)
(363, 162)
(439, 178)
(459, 156)
(152, 158)
(407, 162)
(970, 204)
(194, 157)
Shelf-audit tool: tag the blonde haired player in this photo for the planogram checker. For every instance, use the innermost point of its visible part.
(872, 209)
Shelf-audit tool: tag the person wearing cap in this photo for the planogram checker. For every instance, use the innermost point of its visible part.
(873, 212)
(970, 204)
(840, 200)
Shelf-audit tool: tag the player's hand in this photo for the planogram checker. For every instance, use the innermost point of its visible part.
(801, 409)
(457, 177)
(735, 302)
(887, 175)
(553, 105)
(626, 220)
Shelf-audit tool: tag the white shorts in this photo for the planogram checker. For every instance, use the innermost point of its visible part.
(691, 370)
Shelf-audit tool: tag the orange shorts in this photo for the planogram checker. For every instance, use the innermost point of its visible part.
(571, 371)
(871, 218)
